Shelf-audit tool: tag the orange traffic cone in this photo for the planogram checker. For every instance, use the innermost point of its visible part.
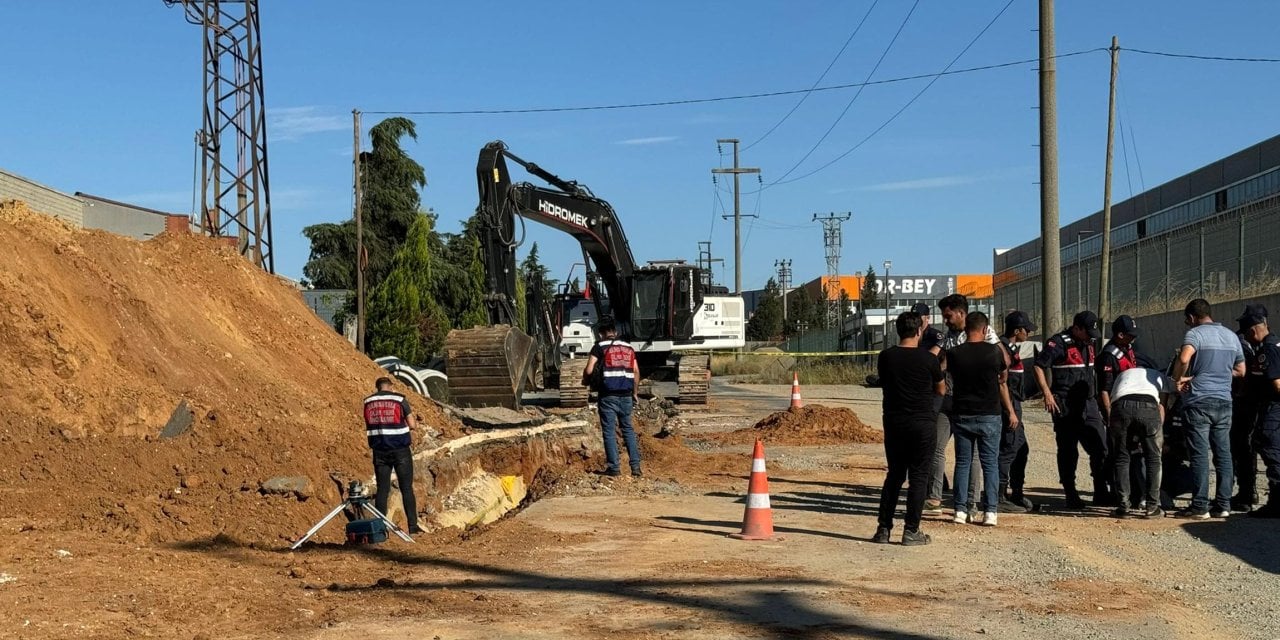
(796, 403)
(757, 522)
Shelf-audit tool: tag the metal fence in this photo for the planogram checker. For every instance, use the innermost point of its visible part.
(1234, 254)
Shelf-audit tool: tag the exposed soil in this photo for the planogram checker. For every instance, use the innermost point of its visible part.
(101, 337)
(811, 424)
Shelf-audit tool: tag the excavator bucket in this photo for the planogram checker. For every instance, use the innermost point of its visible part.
(488, 366)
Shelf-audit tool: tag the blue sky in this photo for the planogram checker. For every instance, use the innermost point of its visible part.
(104, 97)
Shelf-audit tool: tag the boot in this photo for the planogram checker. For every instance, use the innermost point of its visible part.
(1073, 498)
(1272, 508)
(1007, 505)
(1102, 494)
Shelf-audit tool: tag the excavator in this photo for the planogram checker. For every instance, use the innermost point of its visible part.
(665, 309)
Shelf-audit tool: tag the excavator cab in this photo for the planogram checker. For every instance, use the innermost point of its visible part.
(664, 299)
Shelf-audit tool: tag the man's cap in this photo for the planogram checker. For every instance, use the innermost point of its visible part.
(1252, 311)
(1125, 325)
(1018, 320)
(1088, 321)
(1250, 320)
(921, 308)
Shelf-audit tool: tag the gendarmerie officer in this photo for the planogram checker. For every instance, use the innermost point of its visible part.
(1013, 441)
(389, 422)
(1249, 395)
(1116, 357)
(1069, 356)
(1266, 435)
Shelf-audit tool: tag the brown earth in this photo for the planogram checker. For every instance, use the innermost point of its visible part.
(812, 424)
(101, 337)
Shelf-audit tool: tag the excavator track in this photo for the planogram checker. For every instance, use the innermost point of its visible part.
(488, 366)
(572, 393)
(693, 377)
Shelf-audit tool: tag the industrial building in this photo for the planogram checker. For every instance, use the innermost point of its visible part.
(89, 211)
(1207, 234)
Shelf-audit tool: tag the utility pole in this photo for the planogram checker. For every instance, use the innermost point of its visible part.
(1104, 270)
(706, 262)
(737, 172)
(832, 240)
(784, 281)
(359, 214)
(1050, 242)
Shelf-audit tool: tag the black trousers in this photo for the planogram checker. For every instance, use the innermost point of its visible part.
(1244, 458)
(1080, 426)
(1140, 418)
(1013, 454)
(908, 446)
(400, 461)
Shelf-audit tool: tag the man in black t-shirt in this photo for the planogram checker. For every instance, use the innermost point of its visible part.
(911, 378)
(979, 397)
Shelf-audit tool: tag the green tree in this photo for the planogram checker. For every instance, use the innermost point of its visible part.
(766, 320)
(870, 297)
(803, 314)
(391, 181)
(536, 275)
(405, 318)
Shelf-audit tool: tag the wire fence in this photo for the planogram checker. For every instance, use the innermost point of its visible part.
(1232, 255)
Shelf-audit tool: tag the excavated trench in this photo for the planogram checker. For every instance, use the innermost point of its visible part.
(476, 479)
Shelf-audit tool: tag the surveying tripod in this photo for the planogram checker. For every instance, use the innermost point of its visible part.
(361, 502)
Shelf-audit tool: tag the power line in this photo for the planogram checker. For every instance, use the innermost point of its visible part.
(822, 77)
(1192, 56)
(748, 96)
(945, 71)
(855, 97)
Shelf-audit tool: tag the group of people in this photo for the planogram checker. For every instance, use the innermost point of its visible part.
(967, 382)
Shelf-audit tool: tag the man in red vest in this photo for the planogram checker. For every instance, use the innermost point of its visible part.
(388, 422)
(613, 371)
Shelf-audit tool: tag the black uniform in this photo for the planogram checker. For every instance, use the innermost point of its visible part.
(1249, 397)
(1078, 422)
(1266, 437)
(1113, 361)
(1013, 442)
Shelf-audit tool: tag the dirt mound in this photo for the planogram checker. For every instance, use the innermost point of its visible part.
(812, 424)
(101, 337)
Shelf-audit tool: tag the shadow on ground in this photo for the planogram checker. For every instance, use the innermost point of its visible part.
(1251, 540)
(775, 606)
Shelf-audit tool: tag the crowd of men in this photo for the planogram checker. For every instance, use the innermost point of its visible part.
(1148, 433)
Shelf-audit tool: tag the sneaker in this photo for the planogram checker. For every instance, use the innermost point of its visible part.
(1219, 514)
(933, 507)
(1120, 512)
(636, 473)
(1241, 505)
(882, 536)
(915, 538)
(1191, 513)
(1074, 502)
(962, 517)
(416, 530)
(1269, 510)
(1153, 511)
(1009, 506)
(1023, 502)
(988, 519)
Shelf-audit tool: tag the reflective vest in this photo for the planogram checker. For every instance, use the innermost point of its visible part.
(1114, 361)
(386, 420)
(617, 367)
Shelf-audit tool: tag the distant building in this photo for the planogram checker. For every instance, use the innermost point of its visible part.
(1210, 233)
(89, 211)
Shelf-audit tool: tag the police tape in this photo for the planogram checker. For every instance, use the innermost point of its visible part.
(807, 354)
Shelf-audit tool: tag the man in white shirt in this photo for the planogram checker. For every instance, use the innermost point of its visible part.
(1137, 411)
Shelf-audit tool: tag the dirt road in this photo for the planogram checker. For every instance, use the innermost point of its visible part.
(648, 558)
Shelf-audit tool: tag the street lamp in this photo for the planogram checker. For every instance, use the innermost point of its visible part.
(887, 264)
(1079, 279)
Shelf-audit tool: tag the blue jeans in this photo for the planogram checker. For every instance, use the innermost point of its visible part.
(984, 431)
(1209, 428)
(615, 411)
